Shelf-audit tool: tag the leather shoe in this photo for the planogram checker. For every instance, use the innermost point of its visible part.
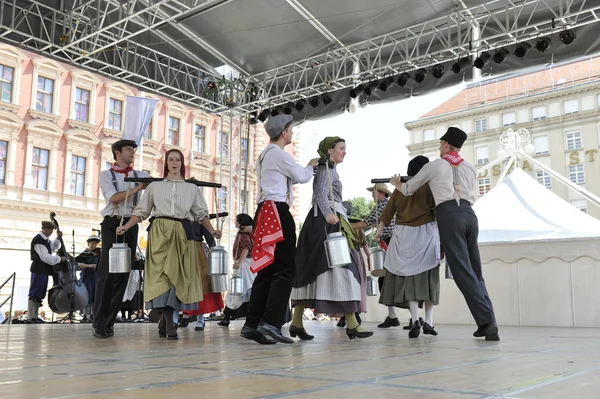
(110, 332)
(99, 333)
(489, 331)
(254, 335)
(300, 333)
(389, 322)
(273, 332)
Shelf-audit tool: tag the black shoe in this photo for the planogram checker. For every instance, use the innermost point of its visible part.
(223, 323)
(342, 322)
(429, 330)
(273, 332)
(199, 328)
(110, 332)
(254, 335)
(354, 333)
(410, 323)
(415, 330)
(300, 333)
(489, 331)
(185, 321)
(388, 322)
(99, 333)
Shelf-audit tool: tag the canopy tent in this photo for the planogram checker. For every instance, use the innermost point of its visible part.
(293, 50)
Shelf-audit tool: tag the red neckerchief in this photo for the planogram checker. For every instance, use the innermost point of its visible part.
(266, 235)
(453, 157)
(118, 169)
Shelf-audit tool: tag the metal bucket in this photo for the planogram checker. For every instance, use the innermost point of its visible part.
(372, 286)
(217, 261)
(337, 250)
(119, 258)
(218, 283)
(236, 285)
(377, 259)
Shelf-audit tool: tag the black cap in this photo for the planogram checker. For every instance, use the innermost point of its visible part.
(455, 137)
(117, 145)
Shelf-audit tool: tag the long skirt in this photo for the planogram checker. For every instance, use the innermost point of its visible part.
(88, 278)
(172, 277)
(399, 290)
(211, 301)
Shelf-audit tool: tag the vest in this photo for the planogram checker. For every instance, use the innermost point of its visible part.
(37, 266)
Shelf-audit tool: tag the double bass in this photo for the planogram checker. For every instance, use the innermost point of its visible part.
(69, 294)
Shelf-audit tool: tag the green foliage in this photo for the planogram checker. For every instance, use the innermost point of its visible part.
(361, 207)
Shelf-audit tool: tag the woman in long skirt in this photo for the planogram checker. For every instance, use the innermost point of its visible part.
(412, 261)
(88, 260)
(172, 276)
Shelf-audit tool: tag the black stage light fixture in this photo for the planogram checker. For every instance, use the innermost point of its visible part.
(501, 55)
(420, 75)
(567, 36)
(370, 89)
(264, 115)
(543, 44)
(326, 98)
(461, 64)
(288, 108)
(437, 71)
(314, 102)
(356, 91)
(300, 105)
(275, 111)
(522, 49)
(252, 120)
(403, 79)
(482, 59)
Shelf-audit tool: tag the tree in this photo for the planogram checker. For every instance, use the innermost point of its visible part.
(360, 207)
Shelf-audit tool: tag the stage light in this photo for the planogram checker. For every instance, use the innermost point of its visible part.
(420, 75)
(482, 59)
(275, 111)
(461, 64)
(543, 44)
(386, 83)
(300, 105)
(326, 98)
(356, 91)
(314, 102)
(264, 115)
(252, 120)
(501, 55)
(567, 36)
(522, 49)
(437, 71)
(370, 89)
(403, 79)
(288, 108)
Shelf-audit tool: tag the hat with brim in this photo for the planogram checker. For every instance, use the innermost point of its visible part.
(93, 238)
(382, 187)
(118, 145)
(275, 125)
(48, 225)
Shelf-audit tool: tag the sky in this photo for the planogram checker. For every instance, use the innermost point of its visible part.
(376, 141)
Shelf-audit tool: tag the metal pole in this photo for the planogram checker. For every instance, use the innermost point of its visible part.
(240, 208)
(229, 193)
(12, 297)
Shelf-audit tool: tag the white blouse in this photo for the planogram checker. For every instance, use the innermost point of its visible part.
(172, 198)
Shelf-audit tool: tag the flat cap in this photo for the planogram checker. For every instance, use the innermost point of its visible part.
(276, 124)
(48, 225)
(117, 145)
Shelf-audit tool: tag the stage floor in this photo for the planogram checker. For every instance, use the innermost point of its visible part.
(65, 361)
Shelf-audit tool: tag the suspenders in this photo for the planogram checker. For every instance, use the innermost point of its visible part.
(115, 183)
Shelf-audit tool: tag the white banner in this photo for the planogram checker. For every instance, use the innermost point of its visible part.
(138, 114)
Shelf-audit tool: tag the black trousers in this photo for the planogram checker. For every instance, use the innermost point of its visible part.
(459, 228)
(273, 285)
(110, 287)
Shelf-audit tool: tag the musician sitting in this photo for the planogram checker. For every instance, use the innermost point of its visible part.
(42, 262)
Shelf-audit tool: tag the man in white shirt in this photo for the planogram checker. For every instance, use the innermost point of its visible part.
(110, 287)
(277, 172)
(452, 182)
(42, 262)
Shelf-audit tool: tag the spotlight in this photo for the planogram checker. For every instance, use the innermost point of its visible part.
(288, 108)
(356, 91)
(326, 98)
(252, 120)
(437, 71)
(522, 49)
(461, 64)
(300, 105)
(314, 102)
(567, 36)
(275, 111)
(543, 44)
(420, 75)
(403, 79)
(385, 83)
(482, 59)
(370, 89)
(264, 115)
(501, 55)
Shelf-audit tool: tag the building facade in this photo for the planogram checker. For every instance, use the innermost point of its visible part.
(57, 124)
(559, 106)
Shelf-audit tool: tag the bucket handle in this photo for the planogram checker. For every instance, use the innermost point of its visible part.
(122, 219)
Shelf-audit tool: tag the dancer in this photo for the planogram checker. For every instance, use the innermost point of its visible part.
(316, 285)
(452, 181)
(413, 257)
(274, 234)
(172, 276)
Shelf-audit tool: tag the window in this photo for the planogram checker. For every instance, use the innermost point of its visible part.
(483, 155)
(574, 140)
(199, 138)
(428, 134)
(115, 112)
(39, 168)
(543, 178)
(82, 104)
(576, 174)
(484, 185)
(508, 119)
(148, 131)
(580, 204)
(173, 134)
(223, 144)
(538, 113)
(223, 199)
(541, 145)
(77, 175)
(3, 152)
(481, 125)
(571, 106)
(6, 83)
(44, 94)
(244, 151)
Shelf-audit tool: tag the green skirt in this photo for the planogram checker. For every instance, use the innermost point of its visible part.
(399, 290)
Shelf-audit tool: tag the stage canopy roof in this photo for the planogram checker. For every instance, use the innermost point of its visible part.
(287, 51)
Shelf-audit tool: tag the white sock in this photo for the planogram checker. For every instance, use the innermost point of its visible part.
(429, 312)
(414, 310)
(392, 312)
(200, 322)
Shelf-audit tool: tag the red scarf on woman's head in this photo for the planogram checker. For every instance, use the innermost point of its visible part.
(119, 169)
(453, 157)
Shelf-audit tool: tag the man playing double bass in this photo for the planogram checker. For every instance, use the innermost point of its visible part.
(42, 262)
(110, 287)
